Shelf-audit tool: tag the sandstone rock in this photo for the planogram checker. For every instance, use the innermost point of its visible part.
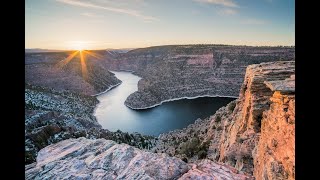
(104, 159)
(275, 158)
(234, 135)
(207, 169)
(253, 101)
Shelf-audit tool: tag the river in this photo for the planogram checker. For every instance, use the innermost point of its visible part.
(112, 114)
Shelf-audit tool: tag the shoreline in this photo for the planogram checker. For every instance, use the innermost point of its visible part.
(175, 99)
(111, 87)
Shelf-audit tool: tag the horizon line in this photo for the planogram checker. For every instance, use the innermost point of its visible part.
(165, 45)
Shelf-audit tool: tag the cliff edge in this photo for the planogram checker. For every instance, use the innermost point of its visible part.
(254, 133)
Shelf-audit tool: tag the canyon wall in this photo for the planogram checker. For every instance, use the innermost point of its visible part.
(254, 133)
(178, 71)
(66, 71)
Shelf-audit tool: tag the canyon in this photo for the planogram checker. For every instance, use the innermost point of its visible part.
(250, 138)
(182, 71)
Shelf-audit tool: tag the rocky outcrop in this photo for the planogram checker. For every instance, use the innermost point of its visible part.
(238, 145)
(245, 134)
(177, 71)
(104, 159)
(275, 153)
(207, 169)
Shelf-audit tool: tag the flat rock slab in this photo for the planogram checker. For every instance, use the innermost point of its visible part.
(104, 159)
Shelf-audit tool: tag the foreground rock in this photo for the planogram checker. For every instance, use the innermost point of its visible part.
(254, 134)
(104, 159)
(207, 169)
(178, 71)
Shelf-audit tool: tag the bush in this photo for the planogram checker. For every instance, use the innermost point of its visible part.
(202, 154)
(218, 118)
(194, 147)
(219, 128)
(239, 139)
(231, 106)
(190, 147)
(185, 159)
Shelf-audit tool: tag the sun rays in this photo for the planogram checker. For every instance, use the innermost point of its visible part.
(82, 54)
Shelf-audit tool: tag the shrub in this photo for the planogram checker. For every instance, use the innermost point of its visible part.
(190, 147)
(185, 159)
(219, 128)
(218, 118)
(239, 139)
(231, 106)
(202, 154)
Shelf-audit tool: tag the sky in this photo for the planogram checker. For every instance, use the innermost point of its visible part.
(102, 24)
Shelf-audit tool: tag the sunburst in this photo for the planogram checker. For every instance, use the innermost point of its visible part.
(82, 53)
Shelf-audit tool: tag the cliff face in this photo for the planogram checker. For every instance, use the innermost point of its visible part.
(275, 153)
(237, 146)
(254, 134)
(104, 159)
(191, 70)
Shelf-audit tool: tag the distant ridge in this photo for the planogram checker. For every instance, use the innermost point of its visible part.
(38, 50)
(124, 50)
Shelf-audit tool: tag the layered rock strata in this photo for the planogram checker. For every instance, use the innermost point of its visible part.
(104, 159)
(180, 71)
(275, 153)
(245, 134)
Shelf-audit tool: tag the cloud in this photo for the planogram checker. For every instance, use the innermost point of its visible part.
(227, 11)
(92, 15)
(226, 3)
(254, 22)
(109, 8)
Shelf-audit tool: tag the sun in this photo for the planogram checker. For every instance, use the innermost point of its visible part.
(80, 50)
(79, 45)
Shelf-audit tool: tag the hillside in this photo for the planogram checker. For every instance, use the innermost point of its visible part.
(47, 70)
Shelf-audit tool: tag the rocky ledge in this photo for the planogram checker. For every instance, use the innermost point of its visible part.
(104, 159)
